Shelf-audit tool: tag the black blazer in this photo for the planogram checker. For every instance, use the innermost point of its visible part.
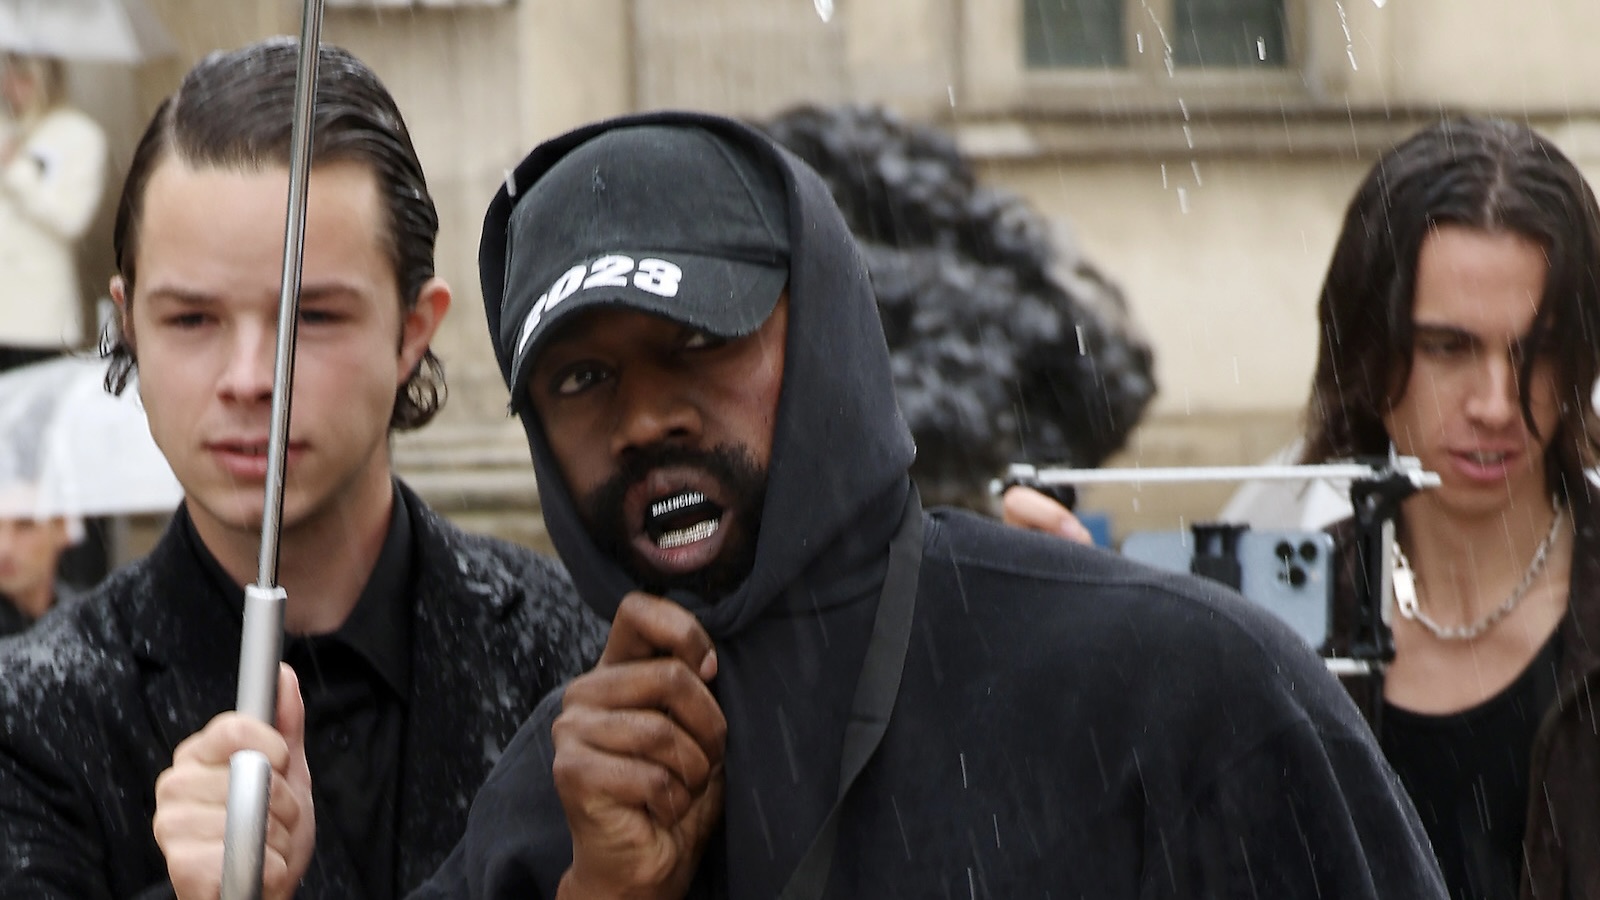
(95, 698)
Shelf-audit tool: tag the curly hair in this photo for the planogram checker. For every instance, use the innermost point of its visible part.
(235, 110)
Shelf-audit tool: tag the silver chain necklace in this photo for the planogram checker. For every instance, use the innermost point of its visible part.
(1405, 590)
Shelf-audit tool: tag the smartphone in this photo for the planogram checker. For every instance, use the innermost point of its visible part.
(1290, 573)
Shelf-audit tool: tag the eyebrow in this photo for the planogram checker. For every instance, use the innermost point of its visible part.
(315, 292)
(1423, 329)
(574, 328)
(179, 295)
(1426, 330)
(329, 290)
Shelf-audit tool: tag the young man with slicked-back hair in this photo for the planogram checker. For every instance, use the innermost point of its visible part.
(419, 648)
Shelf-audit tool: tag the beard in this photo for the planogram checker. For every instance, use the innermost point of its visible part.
(736, 472)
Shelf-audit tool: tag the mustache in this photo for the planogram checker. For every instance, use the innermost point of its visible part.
(732, 466)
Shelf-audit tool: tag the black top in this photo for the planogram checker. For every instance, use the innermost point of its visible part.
(149, 656)
(1467, 773)
(1068, 725)
(355, 682)
(12, 620)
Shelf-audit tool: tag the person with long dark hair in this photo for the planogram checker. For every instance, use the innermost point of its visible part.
(1460, 324)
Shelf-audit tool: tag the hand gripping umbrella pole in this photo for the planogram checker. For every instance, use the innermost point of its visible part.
(261, 643)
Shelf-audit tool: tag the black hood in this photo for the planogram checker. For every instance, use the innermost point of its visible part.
(840, 449)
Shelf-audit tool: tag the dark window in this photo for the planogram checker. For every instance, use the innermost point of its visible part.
(1094, 34)
(1229, 33)
(1075, 33)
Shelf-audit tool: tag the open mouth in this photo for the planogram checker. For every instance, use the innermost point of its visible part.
(1487, 459)
(681, 519)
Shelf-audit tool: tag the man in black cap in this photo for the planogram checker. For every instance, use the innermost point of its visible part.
(811, 687)
(841, 695)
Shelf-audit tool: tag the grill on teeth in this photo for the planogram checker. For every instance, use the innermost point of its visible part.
(685, 536)
(673, 504)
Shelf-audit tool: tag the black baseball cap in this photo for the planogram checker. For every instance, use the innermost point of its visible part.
(669, 219)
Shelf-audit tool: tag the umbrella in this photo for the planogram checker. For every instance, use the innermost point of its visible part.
(1308, 505)
(115, 31)
(69, 448)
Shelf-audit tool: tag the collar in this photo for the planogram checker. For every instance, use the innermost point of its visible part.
(378, 629)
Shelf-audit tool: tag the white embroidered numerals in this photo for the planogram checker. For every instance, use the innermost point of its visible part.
(658, 277)
(609, 271)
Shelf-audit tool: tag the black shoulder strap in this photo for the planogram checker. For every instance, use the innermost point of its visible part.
(876, 690)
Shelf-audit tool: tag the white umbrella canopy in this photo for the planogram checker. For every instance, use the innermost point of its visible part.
(110, 31)
(1302, 505)
(68, 448)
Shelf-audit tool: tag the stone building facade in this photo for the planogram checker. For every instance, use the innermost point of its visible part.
(1209, 186)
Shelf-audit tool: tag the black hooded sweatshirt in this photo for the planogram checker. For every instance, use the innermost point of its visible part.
(1065, 724)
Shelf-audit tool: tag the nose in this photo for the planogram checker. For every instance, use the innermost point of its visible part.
(652, 410)
(1493, 402)
(247, 373)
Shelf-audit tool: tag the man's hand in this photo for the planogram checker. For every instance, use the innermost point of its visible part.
(192, 800)
(1024, 507)
(638, 756)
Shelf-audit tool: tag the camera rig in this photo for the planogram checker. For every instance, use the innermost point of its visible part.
(1378, 485)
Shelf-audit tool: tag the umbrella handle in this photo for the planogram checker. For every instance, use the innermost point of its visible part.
(249, 773)
(244, 845)
(260, 649)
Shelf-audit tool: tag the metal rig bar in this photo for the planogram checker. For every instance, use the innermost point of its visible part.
(1346, 471)
(1340, 666)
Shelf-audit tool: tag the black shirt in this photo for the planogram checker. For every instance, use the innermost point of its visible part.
(355, 682)
(1468, 772)
(12, 619)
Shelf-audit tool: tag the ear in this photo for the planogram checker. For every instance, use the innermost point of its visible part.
(119, 298)
(420, 324)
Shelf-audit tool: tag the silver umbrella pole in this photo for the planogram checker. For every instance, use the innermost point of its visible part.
(261, 644)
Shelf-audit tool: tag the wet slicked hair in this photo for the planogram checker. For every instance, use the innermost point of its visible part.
(235, 110)
(1486, 174)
